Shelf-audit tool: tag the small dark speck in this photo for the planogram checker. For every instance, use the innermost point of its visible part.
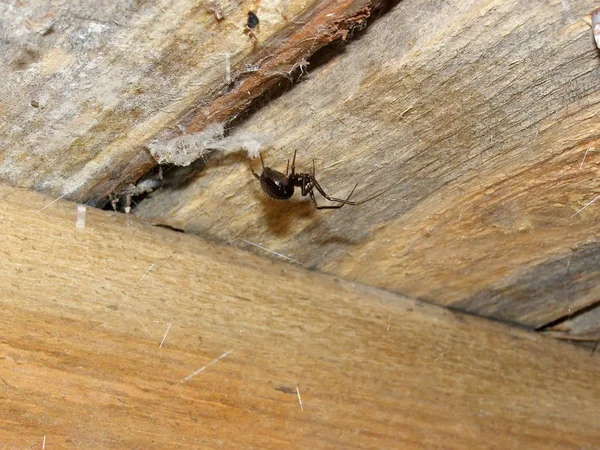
(113, 307)
(48, 29)
(286, 390)
(252, 20)
(35, 104)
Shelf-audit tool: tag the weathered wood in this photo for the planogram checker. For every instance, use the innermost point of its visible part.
(474, 118)
(84, 311)
(582, 327)
(325, 22)
(86, 86)
(478, 117)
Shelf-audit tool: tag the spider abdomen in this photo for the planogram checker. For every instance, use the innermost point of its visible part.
(276, 185)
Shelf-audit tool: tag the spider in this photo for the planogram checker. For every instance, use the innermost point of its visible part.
(252, 26)
(280, 186)
(253, 21)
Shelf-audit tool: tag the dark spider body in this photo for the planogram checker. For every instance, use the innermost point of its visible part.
(252, 21)
(276, 185)
(280, 186)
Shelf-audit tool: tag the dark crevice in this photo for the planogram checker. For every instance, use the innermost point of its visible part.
(488, 318)
(132, 194)
(569, 316)
(169, 227)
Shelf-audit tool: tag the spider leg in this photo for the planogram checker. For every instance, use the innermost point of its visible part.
(371, 197)
(313, 199)
(347, 202)
(253, 172)
(314, 202)
(293, 165)
(305, 187)
(306, 183)
(334, 199)
(262, 161)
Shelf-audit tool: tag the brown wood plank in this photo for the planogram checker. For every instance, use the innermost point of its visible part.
(475, 119)
(84, 310)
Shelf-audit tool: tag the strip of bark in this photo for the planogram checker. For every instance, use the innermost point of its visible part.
(278, 58)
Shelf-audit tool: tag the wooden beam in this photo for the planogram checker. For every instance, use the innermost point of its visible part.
(477, 120)
(103, 79)
(117, 334)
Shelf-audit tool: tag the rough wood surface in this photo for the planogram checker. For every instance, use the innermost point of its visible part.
(479, 120)
(86, 85)
(583, 327)
(85, 309)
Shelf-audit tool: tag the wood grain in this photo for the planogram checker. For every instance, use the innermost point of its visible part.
(478, 119)
(84, 311)
(280, 57)
(474, 118)
(583, 327)
(86, 86)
